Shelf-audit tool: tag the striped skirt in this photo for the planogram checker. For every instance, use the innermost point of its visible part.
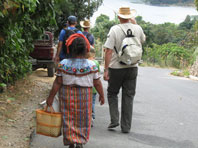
(76, 106)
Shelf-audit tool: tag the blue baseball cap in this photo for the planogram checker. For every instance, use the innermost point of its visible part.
(72, 19)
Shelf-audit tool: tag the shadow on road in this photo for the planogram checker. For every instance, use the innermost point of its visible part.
(160, 141)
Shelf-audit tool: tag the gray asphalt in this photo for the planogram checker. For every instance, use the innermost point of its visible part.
(165, 116)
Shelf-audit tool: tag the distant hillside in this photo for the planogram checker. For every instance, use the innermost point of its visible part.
(170, 2)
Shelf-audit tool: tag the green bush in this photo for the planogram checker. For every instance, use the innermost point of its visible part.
(18, 30)
(23, 21)
(169, 55)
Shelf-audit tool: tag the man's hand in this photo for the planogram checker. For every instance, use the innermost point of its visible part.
(108, 55)
(56, 59)
(101, 100)
(133, 21)
(106, 75)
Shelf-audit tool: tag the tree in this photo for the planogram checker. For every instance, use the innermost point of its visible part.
(82, 9)
(24, 21)
(21, 22)
(196, 4)
(187, 23)
(102, 27)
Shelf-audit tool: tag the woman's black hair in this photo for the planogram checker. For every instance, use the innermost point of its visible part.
(78, 48)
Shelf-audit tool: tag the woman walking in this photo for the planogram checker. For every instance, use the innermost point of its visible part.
(74, 81)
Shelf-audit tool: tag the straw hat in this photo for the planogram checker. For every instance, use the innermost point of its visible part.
(126, 13)
(85, 24)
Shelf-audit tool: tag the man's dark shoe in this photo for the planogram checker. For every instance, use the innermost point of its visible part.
(113, 125)
(126, 131)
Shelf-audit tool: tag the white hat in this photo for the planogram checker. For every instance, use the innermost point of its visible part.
(85, 24)
(126, 13)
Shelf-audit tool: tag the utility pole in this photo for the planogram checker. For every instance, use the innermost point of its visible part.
(88, 9)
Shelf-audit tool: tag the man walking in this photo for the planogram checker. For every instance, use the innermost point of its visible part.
(121, 75)
(65, 33)
(86, 26)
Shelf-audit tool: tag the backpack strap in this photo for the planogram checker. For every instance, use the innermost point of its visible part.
(88, 35)
(67, 31)
(127, 33)
(115, 50)
(70, 30)
(75, 30)
(122, 29)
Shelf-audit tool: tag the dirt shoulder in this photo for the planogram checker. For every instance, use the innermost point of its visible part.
(17, 108)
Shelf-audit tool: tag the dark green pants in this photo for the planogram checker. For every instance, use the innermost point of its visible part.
(125, 79)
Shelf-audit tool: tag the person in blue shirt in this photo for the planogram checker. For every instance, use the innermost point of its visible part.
(61, 53)
(86, 26)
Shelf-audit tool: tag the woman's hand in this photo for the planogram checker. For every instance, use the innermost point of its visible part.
(49, 101)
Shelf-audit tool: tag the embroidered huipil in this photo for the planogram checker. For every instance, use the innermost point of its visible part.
(79, 72)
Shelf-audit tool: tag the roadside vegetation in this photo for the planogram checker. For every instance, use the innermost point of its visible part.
(170, 2)
(23, 21)
(167, 45)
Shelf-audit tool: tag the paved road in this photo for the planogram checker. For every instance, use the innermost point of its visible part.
(165, 116)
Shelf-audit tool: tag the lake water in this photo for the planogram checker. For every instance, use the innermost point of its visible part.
(153, 14)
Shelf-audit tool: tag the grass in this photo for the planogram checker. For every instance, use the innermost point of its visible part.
(181, 73)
